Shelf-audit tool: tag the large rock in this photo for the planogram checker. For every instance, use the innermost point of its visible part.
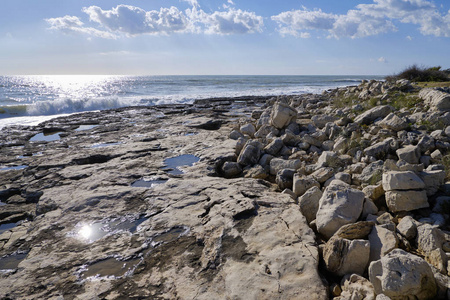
(380, 149)
(303, 183)
(274, 147)
(250, 154)
(436, 99)
(402, 181)
(433, 180)
(321, 120)
(410, 154)
(393, 122)
(373, 114)
(309, 203)
(329, 159)
(339, 205)
(278, 164)
(406, 200)
(282, 115)
(382, 241)
(407, 227)
(342, 256)
(284, 178)
(429, 243)
(401, 275)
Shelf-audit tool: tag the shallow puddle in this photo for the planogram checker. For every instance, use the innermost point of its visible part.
(85, 127)
(148, 182)
(171, 235)
(12, 261)
(190, 133)
(96, 231)
(173, 164)
(7, 226)
(110, 267)
(13, 168)
(101, 145)
(45, 137)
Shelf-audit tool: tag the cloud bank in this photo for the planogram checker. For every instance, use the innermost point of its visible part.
(132, 21)
(366, 19)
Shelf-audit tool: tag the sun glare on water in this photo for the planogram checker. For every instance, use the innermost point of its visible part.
(85, 232)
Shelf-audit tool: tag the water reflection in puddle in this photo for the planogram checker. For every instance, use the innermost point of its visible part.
(148, 182)
(13, 168)
(101, 145)
(45, 137)
(96, 231)
(11, 262)
(110, 267)
(7, 226)
(173, 164)
(190, 133)
(171, 235)
(85, 127)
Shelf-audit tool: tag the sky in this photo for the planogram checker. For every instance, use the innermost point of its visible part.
(222, 37)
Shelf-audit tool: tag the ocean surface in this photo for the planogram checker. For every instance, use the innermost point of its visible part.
(29, 100)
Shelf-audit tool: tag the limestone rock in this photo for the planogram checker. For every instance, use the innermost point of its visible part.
(373, 114)
(277, 164)
(433, 180)
(250, 154)
(410, 154)
(382, 241)
(256, 172)
(231, 169)
(406, 200)
(380, 149)
(407, 227)
(322, 174)
(309, 203)
(393, 122)
(344, 256)
(401, 275)
(274, 147)
(248, 129)
(282, 115)
(328, 159)
(402, 181)
(339, 205)
(436, 99)
(358, 230)
(321, 120)
(303, 183)
(356, 287)
(284, 178)
(429, 243)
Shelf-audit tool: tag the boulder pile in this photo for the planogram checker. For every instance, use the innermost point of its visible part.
(367, 166)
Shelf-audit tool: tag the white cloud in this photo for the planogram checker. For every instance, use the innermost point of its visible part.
(131, 21)
(382, 60)
(69, 24)
(409, 38)
(232, 21)
(368, 19)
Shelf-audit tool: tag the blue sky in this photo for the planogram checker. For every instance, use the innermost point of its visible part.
(171, 37)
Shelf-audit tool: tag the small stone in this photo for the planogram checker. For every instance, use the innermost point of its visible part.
(309, 203)
(248, 129)
(231, 169)
(284, 178)
(235, 135)
(322, 174)
(303, 183)
(393, 122)
(274, 147)
(410, 154)
(277, 164)
(436, 155)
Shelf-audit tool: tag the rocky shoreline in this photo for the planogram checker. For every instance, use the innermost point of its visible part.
(338, 195)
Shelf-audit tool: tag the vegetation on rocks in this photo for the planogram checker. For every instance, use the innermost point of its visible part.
(421, 74)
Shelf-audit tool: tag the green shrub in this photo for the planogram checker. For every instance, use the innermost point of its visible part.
(421, 74)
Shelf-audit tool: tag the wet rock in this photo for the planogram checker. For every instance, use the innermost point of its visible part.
(400, 274)
(339, 205)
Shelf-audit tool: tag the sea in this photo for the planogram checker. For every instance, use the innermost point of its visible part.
(31, 99)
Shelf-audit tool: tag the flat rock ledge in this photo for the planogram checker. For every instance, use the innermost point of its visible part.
(99, 214)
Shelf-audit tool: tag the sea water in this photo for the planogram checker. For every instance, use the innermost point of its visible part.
(29, 100)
